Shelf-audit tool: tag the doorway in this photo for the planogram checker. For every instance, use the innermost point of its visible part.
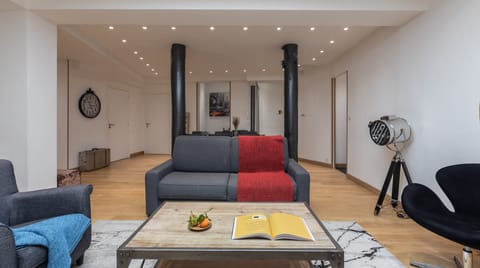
(118, 134)
(158, 124)
(340, 122)
(270, 108)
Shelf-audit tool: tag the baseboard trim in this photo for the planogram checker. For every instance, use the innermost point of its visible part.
(341, 165)
(137, 154)
(316, 162)
(363, 184)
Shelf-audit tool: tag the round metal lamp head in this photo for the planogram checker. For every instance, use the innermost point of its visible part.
(389, 130)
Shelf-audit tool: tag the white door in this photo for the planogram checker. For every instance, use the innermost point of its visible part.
(270, 108)
(158, 132)
(118, 118)
(340, 96)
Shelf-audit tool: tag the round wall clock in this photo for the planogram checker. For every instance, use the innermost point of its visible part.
(89, 104)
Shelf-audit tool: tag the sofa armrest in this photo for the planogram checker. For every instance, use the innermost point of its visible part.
(302, 178)
(152, 177)
(41, 204)
(8, 254)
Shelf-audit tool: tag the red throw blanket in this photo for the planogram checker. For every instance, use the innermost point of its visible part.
(261, 175)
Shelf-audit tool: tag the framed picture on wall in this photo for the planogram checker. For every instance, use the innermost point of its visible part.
(219, 104)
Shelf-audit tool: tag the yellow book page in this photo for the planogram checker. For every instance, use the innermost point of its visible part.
(286, 226)
(251, 225)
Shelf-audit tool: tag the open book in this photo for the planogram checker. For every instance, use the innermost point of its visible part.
(276, 226)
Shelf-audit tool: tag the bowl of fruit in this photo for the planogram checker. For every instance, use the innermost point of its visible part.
(199, 222)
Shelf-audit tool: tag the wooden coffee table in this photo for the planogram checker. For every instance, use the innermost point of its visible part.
(165, 236)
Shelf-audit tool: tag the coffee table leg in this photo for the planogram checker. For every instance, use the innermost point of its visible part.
(123, 259)
(336, 260)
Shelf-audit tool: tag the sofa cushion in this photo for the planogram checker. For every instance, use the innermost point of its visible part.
(202, 154)
(194, 186)
(234, 155)
(232, 187)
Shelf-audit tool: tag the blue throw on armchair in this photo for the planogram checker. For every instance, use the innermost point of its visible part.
(21, 209)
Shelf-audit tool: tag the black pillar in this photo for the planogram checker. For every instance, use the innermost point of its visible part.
(290, 81)
(177, 78)
(252, 107)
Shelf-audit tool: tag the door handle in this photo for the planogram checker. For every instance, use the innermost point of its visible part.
(110, 125)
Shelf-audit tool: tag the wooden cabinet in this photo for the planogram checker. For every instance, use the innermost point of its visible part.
(94, 159)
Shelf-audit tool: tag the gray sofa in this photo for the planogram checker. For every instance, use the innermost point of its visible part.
(206, 168)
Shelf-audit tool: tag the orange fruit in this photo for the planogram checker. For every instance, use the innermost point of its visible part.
(204, 223)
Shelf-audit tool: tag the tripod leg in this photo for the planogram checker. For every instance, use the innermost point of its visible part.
(381, 197)
(405, 170)
(395, 185)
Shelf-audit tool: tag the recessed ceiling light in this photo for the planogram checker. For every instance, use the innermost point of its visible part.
(299, 65)
(141, 58)
(226, 71)
(264, 70)
(283, 69)
(245, 28)
(156, 73)
(314, 59)
(135, 52)
(312, 29)
(279, 28)
(332, 41)
(212, 28)
(124, 40)
(211, 71)
(148, 64)
(321, 51)
(153, 70)
(144, 27)
(190, 72)
(111, 27)
(173, 28)
(244, 70)
(345, 29)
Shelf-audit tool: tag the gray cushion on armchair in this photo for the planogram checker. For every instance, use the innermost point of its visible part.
(23, 208)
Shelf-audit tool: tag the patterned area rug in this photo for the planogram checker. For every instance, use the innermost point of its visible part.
(361, 249)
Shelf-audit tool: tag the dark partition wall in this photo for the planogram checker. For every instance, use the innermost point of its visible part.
(253, 94)
(177, 79)
(290, 73)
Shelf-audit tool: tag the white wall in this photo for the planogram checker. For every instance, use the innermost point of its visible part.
(240, 98)
(341, 119)
(191, 104)
(206, 122)
(28, 98)
(85, 133)
(315, 115)
(426, 72)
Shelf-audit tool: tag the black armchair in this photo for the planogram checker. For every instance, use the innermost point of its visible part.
(23, 208)
(461, 184)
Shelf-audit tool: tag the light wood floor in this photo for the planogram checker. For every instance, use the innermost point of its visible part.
(119, 194)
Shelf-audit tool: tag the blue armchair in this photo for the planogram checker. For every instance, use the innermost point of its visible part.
(23, 208)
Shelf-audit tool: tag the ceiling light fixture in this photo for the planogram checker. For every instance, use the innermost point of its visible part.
(144, 27)
(299, 65)
(111, 27)
(226, 71)
(156, 73)
(211, 71)
(312, 29)
(321, 51)
(212, 28)
(135, 52)
(332, 41)
(264, 70)
(148, 64)
(141, 58)
(244, 70)
(245, 28)
(279, 28)
(173, 28)
(314, 59)
(345, 29)
(153, 70)
(190, 72)
(124, 40)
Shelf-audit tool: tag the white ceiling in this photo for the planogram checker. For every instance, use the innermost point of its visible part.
(84, 33)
